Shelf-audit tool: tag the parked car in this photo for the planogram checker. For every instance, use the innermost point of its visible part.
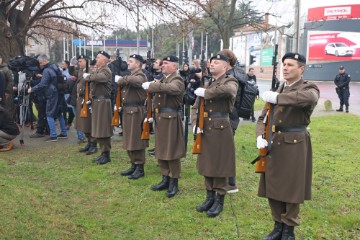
(339, 49)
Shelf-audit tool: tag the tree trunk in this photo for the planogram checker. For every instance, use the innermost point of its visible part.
(10, 46)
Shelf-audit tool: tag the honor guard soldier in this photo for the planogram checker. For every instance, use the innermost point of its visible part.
(287, 179)
(83, 121)
(169, 135)
(216, 162)
(342, 81)
(100, 90)
(133, 97)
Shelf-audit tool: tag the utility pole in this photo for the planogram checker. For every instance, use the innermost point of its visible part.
(297, 25)
(137, 28)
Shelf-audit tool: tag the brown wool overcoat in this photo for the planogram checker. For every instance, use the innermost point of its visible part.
(169, 134)
(100, 86)
(289, 166)
(217, 157)
(133, 116)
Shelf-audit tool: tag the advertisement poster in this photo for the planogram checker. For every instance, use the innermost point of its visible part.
(268, 43)
(238, 45)
(254, 49)
(327, 46)
(334, 12)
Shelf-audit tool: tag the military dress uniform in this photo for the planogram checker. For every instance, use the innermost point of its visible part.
(216, 162)
(84, 123)
(287, 180)
(169, 135)
(100, 94)
(342, 81)
(133, 97)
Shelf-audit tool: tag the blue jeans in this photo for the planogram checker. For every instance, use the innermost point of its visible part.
(80, 134)
(52, 127)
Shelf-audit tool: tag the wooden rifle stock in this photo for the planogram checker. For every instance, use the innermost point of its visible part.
(84, 108)
(198, 136)
(145, 135)
(115, 121)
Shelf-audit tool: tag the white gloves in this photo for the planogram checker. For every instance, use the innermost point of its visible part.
(85, 75)
(270, 97)
(200, 92)
(117, 78)
(146, 85)
(197, 131)
(260, 142)
(150, 120)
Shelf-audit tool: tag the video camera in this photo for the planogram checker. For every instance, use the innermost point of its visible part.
(24, 64)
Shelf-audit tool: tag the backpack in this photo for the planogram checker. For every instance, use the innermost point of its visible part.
(246, 94)
(60, 79)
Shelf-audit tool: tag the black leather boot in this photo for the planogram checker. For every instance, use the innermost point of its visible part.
(86, 148)
(217, 207)
(104, 159)
(138, 173)
(288, 233)
(209, 201)
(98, 157)
(340, 109)
(347, 109)
(164, 184)
(276, 232)
(93, 149)
(173, 188)
(128, 171)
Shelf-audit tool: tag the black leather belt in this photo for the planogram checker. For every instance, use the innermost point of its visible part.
(133, 104)
(166, 110)
(101, 97)
(299, 128)
(216, 114)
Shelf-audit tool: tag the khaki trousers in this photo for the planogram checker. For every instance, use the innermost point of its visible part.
(171, 168)
(287, 213)
(217, 184)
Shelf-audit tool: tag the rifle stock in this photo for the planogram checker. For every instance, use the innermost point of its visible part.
(145, 134)
(84, 109)
(115, 121)
(198, 136)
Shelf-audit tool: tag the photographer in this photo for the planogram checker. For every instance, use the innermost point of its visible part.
(191, 77)
(48, 85)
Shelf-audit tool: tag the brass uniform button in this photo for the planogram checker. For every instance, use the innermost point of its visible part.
(210, 101)
(278, 143)
(209, 119)
(295, 141)
(210, 110)
(280, 121)
(159, 95)
(279, 132)
(222, 126)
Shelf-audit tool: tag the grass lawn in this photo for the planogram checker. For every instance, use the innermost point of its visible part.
(58, 193)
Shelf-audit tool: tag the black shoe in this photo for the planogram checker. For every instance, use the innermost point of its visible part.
(217, 207)
(104, 159)
(128, 171)
(138, 173)
(276, 232)
(164, 184)
(253, 119)
(173, 188)
(92, 149)
(151, 150)
(98, 158)
(86, 148)
(209, 201)
(288, 233)
(37, 135)
(152, 154)
(62, 136)
(340, 109)
(347, 109)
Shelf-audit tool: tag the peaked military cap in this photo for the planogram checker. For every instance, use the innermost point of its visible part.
(341, 67)
(81, 57)
(220, 57)
(104, 54)
(137, 57)
(171, 59)
(296, 56)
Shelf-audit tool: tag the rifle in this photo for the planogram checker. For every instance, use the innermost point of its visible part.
(145, 134)
(86, 102)
(268, 120)
(187, 106)
(200, 113)
(115, 121)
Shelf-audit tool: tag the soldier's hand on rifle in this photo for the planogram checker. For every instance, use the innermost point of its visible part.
(146, 85)
(200, 92)
(198, 131)
(270, 97)
(85, 75)
(117, 78)
(29, 90)
(261, 142)
(150, 120)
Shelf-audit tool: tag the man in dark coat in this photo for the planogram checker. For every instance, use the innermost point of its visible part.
(132, 101)
(216, 162)
(48, 85)
(100, 93)
(287, 179)
(9, 87)
(342, 81)
(169, 135)
(8, 130)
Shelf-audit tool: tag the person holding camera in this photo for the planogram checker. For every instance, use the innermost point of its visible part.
(48, 85)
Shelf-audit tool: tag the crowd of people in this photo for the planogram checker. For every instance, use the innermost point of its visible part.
(88, 92)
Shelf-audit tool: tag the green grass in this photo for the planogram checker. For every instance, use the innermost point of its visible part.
(58, 193)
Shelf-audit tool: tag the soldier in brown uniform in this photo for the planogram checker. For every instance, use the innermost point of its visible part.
(133, 97)
(169, 134)
(84, 123)
(100, 90)
(287, 180)
(216, 162)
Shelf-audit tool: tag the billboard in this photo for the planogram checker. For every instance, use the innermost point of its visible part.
(333, 46)
(267, 45)
(334, 12)
(254, 49)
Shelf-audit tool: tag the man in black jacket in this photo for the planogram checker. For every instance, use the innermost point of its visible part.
(342, 81)
(8, 130)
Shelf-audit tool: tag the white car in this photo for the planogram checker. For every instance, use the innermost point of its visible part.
(339, 49)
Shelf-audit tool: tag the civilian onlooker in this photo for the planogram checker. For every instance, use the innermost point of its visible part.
(48, 85)
(252, 81)
(342, 81)
(9, 87)
(8, 130)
